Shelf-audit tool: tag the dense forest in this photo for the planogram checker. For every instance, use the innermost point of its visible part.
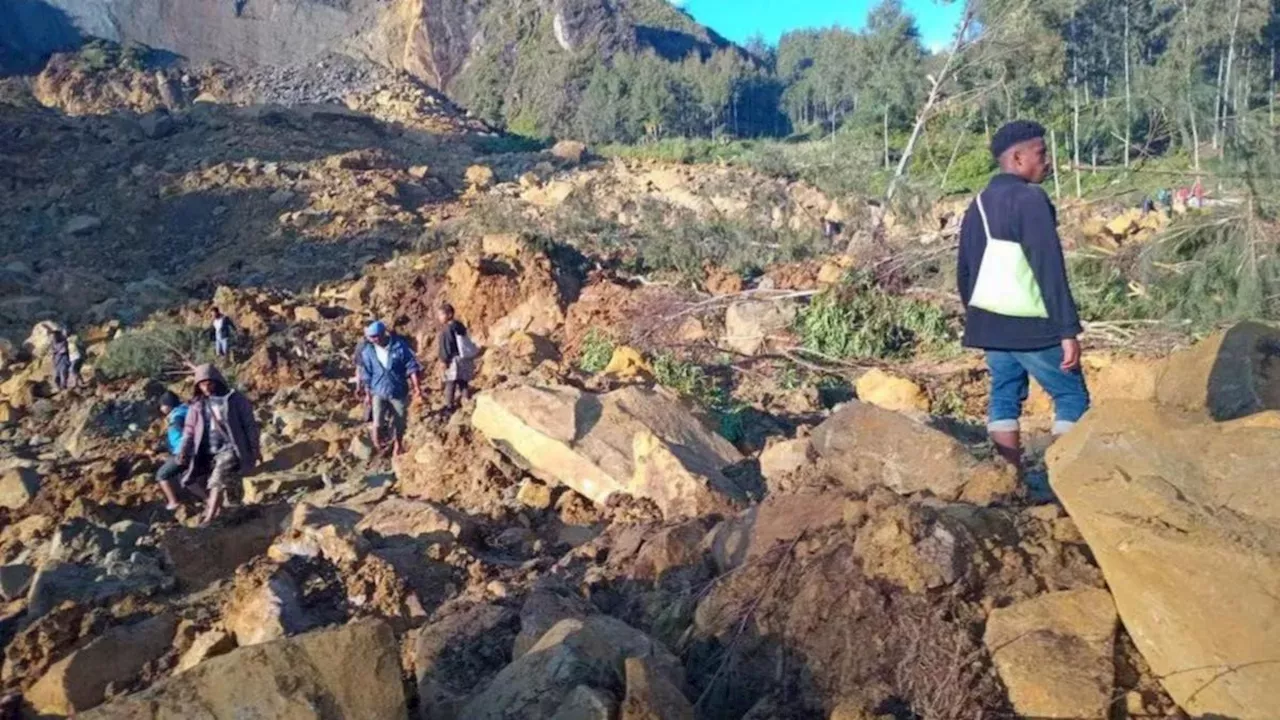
(1120, 78)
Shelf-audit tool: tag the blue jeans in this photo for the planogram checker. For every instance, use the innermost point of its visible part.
(1010, 371)
(222, 346)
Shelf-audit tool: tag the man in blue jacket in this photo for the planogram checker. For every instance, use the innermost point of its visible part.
(175, 417)
(389, 374)
(1013, 282)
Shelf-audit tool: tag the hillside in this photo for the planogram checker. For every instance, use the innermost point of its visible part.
(494, 55)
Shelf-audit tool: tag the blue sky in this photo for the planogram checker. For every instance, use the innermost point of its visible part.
(740, 19)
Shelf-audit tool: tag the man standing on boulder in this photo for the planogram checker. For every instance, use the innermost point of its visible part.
(220, 440)
(1013, 282)
(388, 371)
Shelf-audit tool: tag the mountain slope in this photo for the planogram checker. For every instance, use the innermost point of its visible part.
(495, 55)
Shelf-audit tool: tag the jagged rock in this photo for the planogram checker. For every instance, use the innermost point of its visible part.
(90, 563)
(508, 245)
(1228, 375)
(891, 392)
(14, 580)
(572, 653)
(417, 520)
(206, 645)
(586, 703)
(362, 448)
(261, 486)
(328, 532)
(79, 681)
(18, 486)
(351, 671)
(1182, 516)
(260, 611)
(669, 548)
(779, 519)
(448, 653)
(480, 177)
(534, 494)
(786, 457)
(1055, 653)
(749, 324)
(570, 151)
(9, 414)
(541, 611)
(651, 695)
(862, 445)
(631, 441)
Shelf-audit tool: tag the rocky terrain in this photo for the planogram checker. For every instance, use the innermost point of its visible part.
(586, 538)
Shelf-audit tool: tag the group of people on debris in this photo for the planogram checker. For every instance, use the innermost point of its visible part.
(213, 439)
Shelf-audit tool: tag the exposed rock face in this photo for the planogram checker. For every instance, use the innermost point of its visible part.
(317, 669)
(1182, 516)
(1055, 653)
(631, 441)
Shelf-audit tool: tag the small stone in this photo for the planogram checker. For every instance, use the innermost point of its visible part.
(280, 197)
(480, 177)
(570, 151)
(361, 448)
(419, 172)
(534, 494)
(891, 392)
(498, 589)
(82, 225)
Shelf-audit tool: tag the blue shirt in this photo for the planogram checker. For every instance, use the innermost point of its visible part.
(176, 418)
(1020, 212)
(391, 381)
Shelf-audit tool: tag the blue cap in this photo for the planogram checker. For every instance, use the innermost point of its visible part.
(375, 329)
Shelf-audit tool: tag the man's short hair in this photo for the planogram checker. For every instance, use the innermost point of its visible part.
(447, 309)
(1018, 131)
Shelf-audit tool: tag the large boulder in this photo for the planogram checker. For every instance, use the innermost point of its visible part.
(862, 445)
(351, 671)
(79, 681)
(631, 441)
(572, 653)
(1183, 518)
(1229, 375)
(1055, 654)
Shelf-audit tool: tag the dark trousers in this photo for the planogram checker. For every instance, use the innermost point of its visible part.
(455, 388)
(170, 471)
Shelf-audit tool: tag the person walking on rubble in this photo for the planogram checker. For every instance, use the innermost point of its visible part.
(175, 418)
(222, 329)
(458, 354)
(220, 440)
(1012, 279)
(389, 377)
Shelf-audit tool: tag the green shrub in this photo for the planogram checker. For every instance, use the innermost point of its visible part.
(691, 380)
(161, 352)
(858, 320)
(597, 351)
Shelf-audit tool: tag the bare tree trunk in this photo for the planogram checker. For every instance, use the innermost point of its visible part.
(1075, 108)
(1226, 75)
(1057, 185)
(935, 93)
(1217, 99)
(1271, 87)
(886, 137)
(1128, 90)
(955, 152)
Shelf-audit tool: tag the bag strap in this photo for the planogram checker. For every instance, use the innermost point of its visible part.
(986, 226)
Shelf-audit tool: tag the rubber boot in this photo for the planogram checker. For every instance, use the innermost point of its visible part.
(1009, 446)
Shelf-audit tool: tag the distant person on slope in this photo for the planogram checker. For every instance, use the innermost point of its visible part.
(389, 372)
(220, 440)
(61, 351)
(175, 417)
(223, 329)
(1013, 282)
(458, 354)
